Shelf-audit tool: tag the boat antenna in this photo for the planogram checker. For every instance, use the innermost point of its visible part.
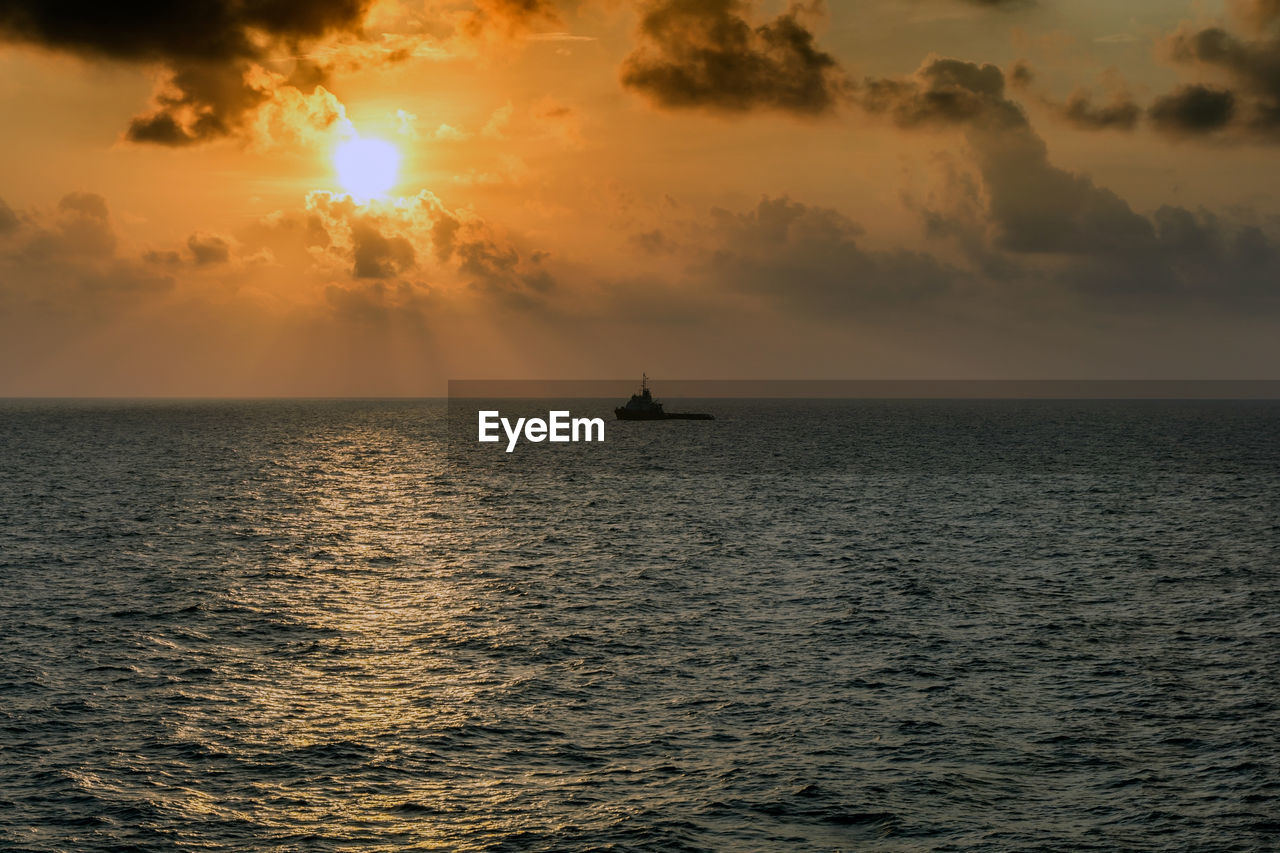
(644, 381)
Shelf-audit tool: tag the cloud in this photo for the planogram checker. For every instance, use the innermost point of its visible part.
(382, 305)
(707, 54)
(942, 92)
(148, 32)
(1193, 109)
(1025, 219)
(1120, 112)
(377, 255)
(212, 52)
(8, 219)
(417, 239)
(209, 249)
(68, 260)
(1248, 107)
(808, 258)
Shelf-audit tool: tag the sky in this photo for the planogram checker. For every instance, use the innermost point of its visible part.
(372, 197)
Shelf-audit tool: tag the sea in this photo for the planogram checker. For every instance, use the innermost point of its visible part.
(807, 625)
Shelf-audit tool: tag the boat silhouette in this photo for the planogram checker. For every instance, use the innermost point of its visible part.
(642, 407)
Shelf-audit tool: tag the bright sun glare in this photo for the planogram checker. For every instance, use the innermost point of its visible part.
(366, 167)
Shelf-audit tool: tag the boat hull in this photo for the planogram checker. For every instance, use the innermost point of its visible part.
(625, 414)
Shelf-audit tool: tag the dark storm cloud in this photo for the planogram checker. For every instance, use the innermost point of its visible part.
(1193, 109)
(207, 46)
(706, 54)
(1250, 105)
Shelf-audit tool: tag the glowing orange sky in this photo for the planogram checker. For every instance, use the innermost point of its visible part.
(920, 188)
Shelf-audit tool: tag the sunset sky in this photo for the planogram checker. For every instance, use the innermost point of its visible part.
(591, 188)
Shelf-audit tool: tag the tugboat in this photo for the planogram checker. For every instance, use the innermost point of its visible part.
(642, 407)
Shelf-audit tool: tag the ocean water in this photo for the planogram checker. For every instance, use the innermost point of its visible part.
(805, 626)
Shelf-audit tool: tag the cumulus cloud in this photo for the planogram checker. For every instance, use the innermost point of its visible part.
(708, 54)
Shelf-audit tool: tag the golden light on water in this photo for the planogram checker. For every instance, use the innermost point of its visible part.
(367, 168)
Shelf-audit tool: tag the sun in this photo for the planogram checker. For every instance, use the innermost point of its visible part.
(366, 167)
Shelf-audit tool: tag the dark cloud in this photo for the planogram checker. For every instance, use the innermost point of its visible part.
(706, 54)
(8, 219)
(81, 228)
(1250, 105)
(942, 92)
(808, 258)
(1120, 112)
(209, 48)
(65, 261)
(377, 255)
(204, 101)
(381, 305)
(1193, 109)
(498, 271)
(444, 234)
(1037, 207)
(211, 30)
(208, 249)
(1021, 74)
(1033, 205)
(1024, 219)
